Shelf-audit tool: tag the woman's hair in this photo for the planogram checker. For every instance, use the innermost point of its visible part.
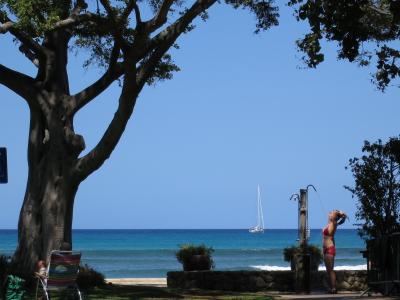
(341, 220)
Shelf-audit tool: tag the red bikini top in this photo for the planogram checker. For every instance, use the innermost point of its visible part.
(325, 231)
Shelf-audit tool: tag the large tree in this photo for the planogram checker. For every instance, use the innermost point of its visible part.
(366, 31)
(131, 49)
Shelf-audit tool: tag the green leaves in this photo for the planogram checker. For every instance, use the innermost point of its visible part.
(377, 188)
(98, 41)
(310, 45)
(164, 70)
(119, 22)
(187, 251)
(265, 11)
(353, 25)
(388, 66)
(290, 252)
(36, 16)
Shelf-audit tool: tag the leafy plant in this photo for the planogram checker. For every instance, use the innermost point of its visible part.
(353, 25)
(313, 250)
(4, 271)
(377, 188)
(187, 251)
(89, 277)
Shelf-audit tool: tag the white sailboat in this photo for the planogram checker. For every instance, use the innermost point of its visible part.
(259, 228)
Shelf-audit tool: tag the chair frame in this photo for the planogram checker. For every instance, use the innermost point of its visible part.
(42, 282)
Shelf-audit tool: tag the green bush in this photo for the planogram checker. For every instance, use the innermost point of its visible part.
(186, 253)
(4, 271)
(89, 277)
(314, 251)
(377, 188)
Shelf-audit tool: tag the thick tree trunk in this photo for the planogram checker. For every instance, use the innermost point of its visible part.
(46, 216)
(45, 220)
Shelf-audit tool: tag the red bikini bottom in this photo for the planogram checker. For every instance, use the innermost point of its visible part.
(331, 250)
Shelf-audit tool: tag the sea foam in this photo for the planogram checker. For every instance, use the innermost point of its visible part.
(320, 268)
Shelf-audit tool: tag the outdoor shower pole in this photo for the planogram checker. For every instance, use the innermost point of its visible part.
(303, 217)
(302, 259)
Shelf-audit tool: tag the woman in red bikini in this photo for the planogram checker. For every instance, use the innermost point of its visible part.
(335, 218)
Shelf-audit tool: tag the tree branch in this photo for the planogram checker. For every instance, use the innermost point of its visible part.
(131, 5)
(161, 17)
(102, 151)
(379, 10)
(172, 32)
(133, 84)
(24, 49)
(5, 27)
(167, 37)
(137, 14)
(107, 6)
(160, 44)
(78, 19)
(113, 72)
(146, 70)
(28, 41)
(117, 24)
(19, 83)
(29, 55)
(80, 5)
(82, 98)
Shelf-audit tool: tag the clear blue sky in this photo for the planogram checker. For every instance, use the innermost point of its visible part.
(241, 112)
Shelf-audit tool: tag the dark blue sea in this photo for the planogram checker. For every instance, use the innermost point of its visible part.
(151, 253)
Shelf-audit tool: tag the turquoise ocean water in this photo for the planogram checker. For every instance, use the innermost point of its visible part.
(151, 253)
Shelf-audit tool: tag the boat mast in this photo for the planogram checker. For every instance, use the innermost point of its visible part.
(261, 210)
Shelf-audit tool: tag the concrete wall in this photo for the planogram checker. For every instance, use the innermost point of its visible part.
(261, 280)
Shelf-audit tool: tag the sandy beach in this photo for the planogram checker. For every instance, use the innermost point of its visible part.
(160, 282)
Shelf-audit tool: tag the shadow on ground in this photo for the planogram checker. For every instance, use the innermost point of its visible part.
(124, 292)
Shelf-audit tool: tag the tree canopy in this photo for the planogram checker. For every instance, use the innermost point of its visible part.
(366, 31)
(112, 29)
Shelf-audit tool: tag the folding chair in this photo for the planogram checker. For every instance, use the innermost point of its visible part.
(62, 271)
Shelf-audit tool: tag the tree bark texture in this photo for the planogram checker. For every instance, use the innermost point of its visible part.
(45, 220)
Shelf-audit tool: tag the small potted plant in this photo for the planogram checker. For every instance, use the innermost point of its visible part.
(314, 251)
(195, 257)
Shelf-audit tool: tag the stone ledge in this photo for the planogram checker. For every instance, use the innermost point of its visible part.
(261, 280)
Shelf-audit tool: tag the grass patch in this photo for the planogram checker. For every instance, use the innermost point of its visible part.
(124, 292)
